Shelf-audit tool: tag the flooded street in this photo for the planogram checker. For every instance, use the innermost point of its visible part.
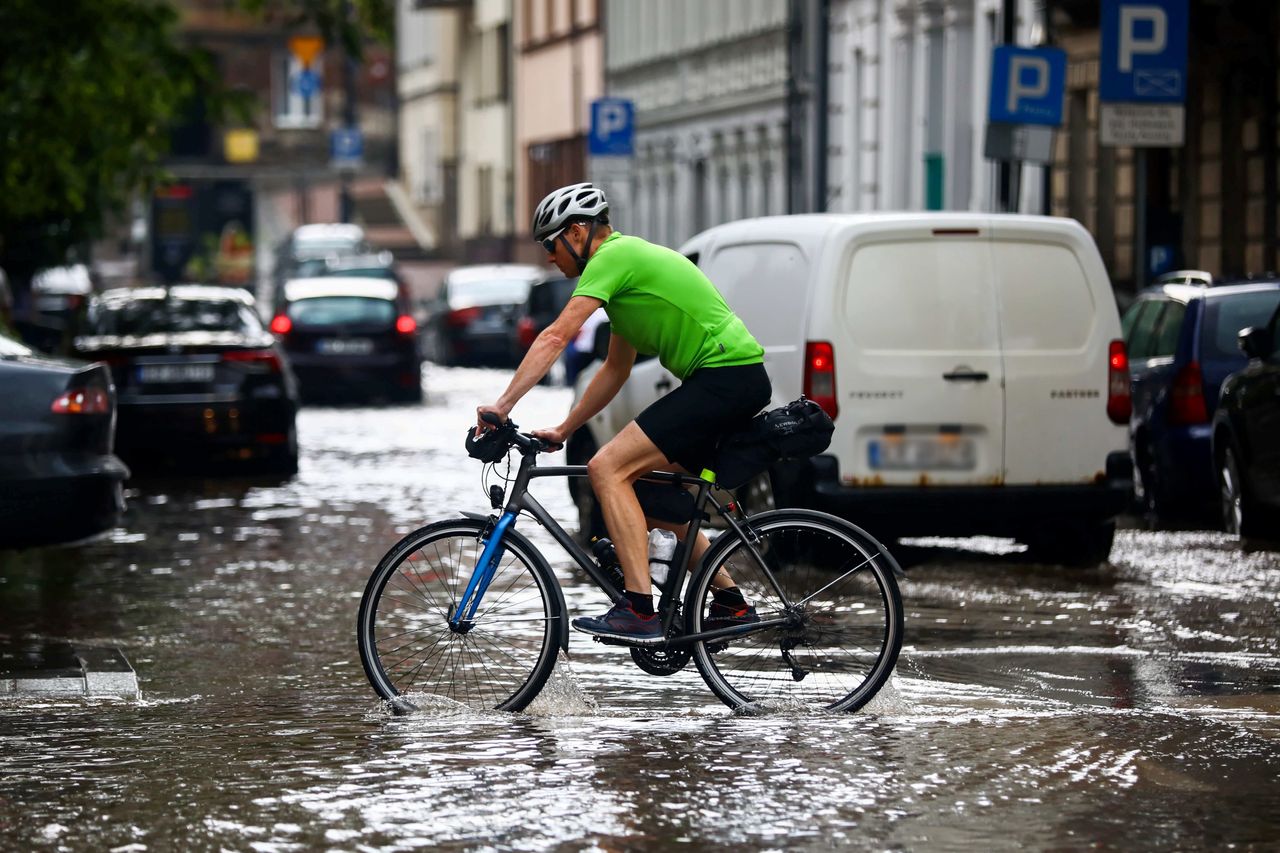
(1135, 706)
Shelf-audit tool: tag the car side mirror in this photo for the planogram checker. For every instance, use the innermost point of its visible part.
(1253, 342)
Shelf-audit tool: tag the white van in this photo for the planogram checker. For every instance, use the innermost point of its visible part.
(973, 364)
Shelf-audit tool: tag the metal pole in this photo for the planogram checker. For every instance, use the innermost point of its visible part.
(1140, 219)
(1008, 33)
(821, 97)
(346, 207)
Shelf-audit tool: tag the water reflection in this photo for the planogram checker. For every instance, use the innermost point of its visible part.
(1033, 706)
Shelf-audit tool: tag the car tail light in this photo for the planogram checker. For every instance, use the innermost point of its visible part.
(462, 316)
(820, 375)
(1186, 399)
(281, 324)
(82, 401)
(1119, 401)
(254, 357)
(526, 332)
(406, 325)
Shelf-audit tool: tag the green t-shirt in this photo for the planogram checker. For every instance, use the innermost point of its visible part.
(662, 304)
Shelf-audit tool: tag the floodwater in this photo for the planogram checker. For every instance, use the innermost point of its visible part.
(1130, 707)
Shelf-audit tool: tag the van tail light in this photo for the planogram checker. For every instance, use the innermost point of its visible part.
(526, 332)
(820, 375)
(462, 317)
(406, 325)
(254, 358)
(281, 324)
(1119, 401)
(1186, 399)
(93, 400)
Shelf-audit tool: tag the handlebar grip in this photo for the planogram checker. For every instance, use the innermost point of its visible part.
(491, 419)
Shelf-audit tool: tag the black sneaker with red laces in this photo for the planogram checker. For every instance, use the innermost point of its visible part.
(623, 624)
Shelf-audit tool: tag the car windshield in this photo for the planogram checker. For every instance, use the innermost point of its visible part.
(167, 316)
(341, 310)
(494, 291)
(1226, 317)
(363, 272)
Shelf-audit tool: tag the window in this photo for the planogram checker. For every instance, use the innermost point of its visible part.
(1140, 325)
(299, 92)
(341, 310)
(1224, 318)
(1168, 329)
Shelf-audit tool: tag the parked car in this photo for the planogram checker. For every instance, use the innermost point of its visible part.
(197, 374)
(1200, 277)
(972, 363)
(1246, 437)
(547, 299)
(308, 248)
(1182, 345)
(60, 479)
(473, 317)
(378, 266)
(350, 338)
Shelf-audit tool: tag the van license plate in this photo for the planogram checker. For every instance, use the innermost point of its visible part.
(345, 346)
(170, 373)
(922, 453)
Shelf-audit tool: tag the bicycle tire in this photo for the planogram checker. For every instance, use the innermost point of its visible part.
(502, 662)
(846, 627)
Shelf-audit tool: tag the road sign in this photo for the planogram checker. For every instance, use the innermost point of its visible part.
(306, 48)
(306, 83)
(612, 128)
(1144, 51)
(1027, 85)
(346, 148)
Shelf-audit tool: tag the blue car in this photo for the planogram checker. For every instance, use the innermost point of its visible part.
(1181, 341)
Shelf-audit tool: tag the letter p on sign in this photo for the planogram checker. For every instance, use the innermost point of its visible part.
(1131, 43)
(1022, 67)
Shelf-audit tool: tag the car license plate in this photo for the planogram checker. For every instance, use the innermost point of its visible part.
(922, 453)
(345, 346)
(175, 373)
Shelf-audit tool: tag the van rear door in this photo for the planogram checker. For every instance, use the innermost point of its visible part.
(1057, 319)
(919, 374)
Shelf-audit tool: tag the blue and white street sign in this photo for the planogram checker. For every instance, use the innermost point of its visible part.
(346, 148)
(1028, 85)
(306, 83)
(613, 128)
(1144, 51)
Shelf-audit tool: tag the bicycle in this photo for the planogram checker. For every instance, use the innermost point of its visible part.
(469, 608)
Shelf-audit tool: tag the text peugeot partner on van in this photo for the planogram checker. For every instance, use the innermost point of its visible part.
(973, 364)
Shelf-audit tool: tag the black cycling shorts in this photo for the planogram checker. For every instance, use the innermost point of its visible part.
(687, 424)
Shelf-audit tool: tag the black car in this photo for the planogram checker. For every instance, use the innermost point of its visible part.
(350, 338)
(473, 317)
(1246, 437)
(547, 299)
(197, 375)
(59, 479)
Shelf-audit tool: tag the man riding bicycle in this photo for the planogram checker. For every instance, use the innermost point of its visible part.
(658, 303)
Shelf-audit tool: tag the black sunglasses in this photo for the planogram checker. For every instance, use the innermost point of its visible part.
(550, 243)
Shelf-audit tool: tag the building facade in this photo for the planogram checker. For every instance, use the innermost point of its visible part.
(559, 71)
(709, 83)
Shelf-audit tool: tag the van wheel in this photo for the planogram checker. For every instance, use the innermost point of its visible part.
(1078, 544)
(590, 519)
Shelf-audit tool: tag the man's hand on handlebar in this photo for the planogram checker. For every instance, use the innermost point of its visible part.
(554, 437)
(489, 417)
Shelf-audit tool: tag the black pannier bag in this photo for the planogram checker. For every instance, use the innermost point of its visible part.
(798, 430)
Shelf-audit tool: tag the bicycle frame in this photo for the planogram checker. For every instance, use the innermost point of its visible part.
(520, 500)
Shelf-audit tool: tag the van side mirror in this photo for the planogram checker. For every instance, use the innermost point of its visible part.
(600, 345)
(1255, 343)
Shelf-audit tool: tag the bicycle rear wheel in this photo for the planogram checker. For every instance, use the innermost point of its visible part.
(843, 628)
(501, 661)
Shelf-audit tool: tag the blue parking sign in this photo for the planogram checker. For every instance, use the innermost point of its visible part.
(1144, 51)
(1027, 85)
(612, 128)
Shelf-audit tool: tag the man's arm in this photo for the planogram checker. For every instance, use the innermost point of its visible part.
(602, 388)
(544, 352)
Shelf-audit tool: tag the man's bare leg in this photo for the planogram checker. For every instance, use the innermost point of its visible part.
(613, 472)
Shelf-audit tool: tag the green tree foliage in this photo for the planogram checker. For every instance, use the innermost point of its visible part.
(89, 90)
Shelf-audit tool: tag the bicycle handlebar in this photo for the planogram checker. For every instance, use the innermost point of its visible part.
(525, 442)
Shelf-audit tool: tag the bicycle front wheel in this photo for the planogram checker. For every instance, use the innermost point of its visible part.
(840, 608)
(499, 659)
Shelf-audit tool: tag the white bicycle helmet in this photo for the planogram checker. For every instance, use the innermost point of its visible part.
(577, 201)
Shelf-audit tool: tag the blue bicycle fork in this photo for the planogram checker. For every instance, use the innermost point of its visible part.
(486, 568)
